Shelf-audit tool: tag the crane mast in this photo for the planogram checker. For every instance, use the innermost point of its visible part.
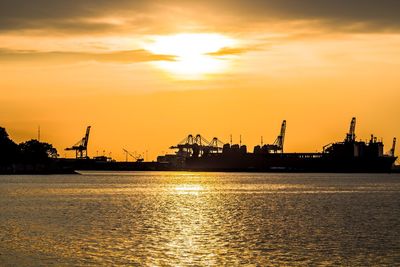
(278, 144)
(282, 135)
(86, 138)
(392, 150)
(351, 135)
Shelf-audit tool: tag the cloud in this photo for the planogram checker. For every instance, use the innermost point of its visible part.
(86, 16)
(131, 56)
(383, 13)
(65, 15)
(228, 51)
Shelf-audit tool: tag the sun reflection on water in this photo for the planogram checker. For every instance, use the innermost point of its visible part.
(199, 219)
(189, 189)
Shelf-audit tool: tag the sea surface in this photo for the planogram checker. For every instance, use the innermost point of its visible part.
(200, 219)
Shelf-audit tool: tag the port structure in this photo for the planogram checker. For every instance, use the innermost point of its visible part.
(80, 147)
(194, 153)
(276, 146)
(134, 155)
(351, 148)
(349, 140)
(197, 146)
(350, 137)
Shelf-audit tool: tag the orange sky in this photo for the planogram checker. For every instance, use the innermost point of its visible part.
(144, 74)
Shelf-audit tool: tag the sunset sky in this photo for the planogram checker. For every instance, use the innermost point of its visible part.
(144, 74)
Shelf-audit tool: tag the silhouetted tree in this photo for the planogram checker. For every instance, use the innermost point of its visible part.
(8, 149)
(35, 151)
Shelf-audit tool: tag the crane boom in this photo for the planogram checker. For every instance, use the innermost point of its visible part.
(351, 135)
(392, 150)
(282, 135)
(136, 156)
(86, 138)
(278, 144)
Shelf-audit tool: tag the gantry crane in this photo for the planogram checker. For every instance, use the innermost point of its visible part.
(81, 147)
(196, 146)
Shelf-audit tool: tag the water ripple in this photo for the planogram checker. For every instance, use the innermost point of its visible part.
(200, 219)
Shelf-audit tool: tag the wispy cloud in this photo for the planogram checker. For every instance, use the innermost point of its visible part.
(130, 56)
(65, 16)
(227, 51)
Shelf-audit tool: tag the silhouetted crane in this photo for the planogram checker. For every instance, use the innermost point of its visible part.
(134, 155)
(281, 137)
(215, 146)
(278, 143)
(81, 147)
(392, 150)
(351, 135)
(196, 146)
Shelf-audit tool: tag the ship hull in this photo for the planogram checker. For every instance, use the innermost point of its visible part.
(288, 163)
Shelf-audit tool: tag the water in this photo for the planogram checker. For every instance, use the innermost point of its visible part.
(200, 219)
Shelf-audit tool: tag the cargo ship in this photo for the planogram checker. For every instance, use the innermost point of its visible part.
(195, 153)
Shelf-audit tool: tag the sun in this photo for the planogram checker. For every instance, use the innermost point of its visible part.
(192, 52)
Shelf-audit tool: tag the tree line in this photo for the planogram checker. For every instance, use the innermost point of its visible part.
(32, 151)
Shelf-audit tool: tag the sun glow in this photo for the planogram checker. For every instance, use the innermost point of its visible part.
(192, 52)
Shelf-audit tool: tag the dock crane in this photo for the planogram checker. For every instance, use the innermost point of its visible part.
(81, 147)
(351, 135)
(277, 145)
(393, 147)
(281, 137)
(138, 158)
(197, 146)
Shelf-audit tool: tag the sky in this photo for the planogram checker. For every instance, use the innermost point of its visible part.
(145, 74)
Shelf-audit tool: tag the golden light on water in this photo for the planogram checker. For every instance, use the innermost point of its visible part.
(188, 189)
(193, 53)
